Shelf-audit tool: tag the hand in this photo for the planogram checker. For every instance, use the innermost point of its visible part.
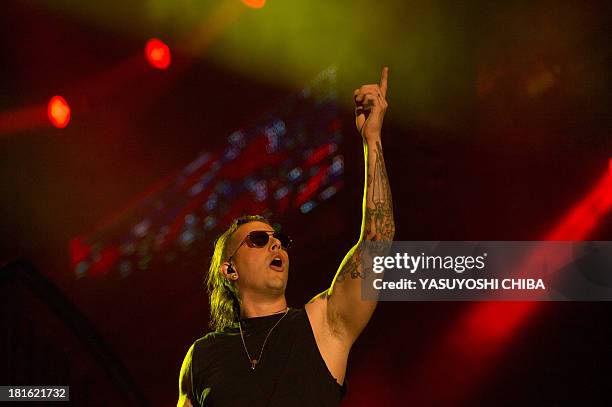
(371, 106)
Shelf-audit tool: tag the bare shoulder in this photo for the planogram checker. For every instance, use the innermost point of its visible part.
(316, 308)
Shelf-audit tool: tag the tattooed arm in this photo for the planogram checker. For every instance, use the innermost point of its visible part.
(346, 314)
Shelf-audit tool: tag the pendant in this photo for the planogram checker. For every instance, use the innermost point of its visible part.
(253, 364)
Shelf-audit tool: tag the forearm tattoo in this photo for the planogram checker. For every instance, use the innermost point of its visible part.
(379, 204)
(378, 218)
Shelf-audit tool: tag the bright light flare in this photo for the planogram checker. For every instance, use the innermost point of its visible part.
(157, 54)
(469, 349)
(254, 3)
(58, 112)
(587, 214)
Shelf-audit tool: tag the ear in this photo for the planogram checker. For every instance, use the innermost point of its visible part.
(226, 270)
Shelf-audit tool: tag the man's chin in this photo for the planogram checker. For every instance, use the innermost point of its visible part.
(278, 284)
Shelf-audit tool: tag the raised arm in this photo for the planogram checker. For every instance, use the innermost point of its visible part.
(347, 313)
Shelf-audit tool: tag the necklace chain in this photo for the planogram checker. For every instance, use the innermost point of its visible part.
(252, 361)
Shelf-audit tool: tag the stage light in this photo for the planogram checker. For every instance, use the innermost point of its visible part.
(157, 53)
(254, 3)
(58, 112)
(610, 167)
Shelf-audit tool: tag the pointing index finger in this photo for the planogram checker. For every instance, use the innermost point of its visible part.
(383, 80)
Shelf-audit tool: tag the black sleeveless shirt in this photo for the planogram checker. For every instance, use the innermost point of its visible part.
(291, 371)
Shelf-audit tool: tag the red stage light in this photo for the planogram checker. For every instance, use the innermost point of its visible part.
(254, 3)
(157, 53)
(58, 112)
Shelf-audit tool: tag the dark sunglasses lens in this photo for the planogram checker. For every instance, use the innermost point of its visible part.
(259, 238)
(284, 240)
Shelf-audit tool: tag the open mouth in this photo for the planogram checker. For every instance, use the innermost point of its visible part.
(276, 263)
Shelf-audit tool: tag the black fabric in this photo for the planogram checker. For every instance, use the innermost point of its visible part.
(291, 371)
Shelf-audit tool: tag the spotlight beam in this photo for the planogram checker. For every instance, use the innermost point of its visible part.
(23, 119)
(462, 357)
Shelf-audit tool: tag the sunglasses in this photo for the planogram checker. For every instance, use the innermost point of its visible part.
(260, 238)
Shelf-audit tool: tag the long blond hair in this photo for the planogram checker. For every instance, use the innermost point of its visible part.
(223, 297)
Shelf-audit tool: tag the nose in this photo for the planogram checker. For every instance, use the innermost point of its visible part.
(275, 244)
